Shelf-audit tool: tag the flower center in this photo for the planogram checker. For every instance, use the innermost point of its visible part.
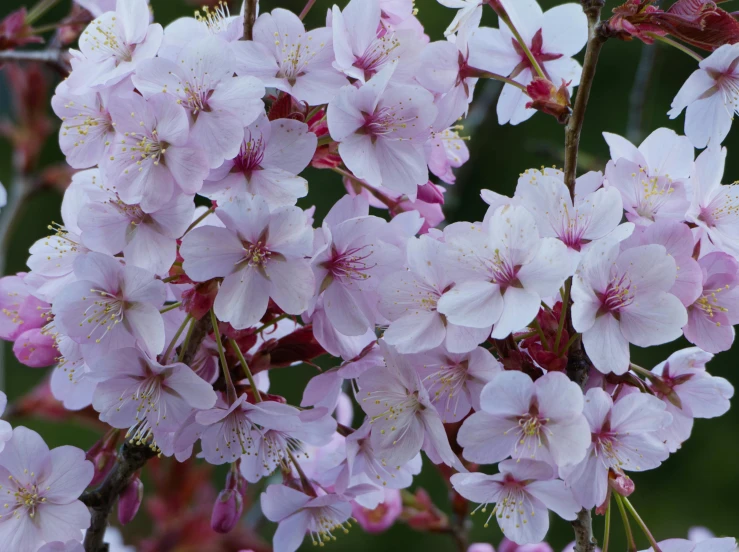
(105, 39)
(256, 254)
(324, 523)
(26, 498)
(709, 303)
(215, 19)
(250, 156)
(377, 54)
(387, 120)
(618, 295)
(106, 311)
(502, 271)
(352, 264)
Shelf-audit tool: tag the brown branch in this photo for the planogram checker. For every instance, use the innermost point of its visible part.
(250, 17)
(583, 526)
(55, 57)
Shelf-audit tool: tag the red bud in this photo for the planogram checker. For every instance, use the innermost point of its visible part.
(226, 511)
(130, 500)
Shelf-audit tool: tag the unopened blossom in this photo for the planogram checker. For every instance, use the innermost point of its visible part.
(523, 493)
(261, 254)
(114, 45)
(594, 214)
(147, 240)
(455, 381)
(625, 437)
(40, 488)
(540, 420)
(552, 37)
(153, 155)
(146, 398)
(381, 131)
(381, 518)
(712, 317)
(727, 544)
(6, 431)
(285, 56)
(272, 155)
(621, 298)
(36, 348)
(503, 269)
(446, 150)
(323, 518)
(201, 78)
(715, 207)
(701, 395)
(403, 418)
(710, 97)
(20, 311)
(352, 258)
(409, 299)
(111, 305)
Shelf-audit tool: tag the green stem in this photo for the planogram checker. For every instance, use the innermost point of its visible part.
(607, 531)
(39, 9)
(245, 367)
(200, 219)
(171, 307)
(522, 43)
(172, 343)
(222, 355)
(675, 44)
(270, 323)
(501, 78)
(642, 525)
(570, 342)
(185, 343)
(380, 196)
(627, 526)
(543, 338)
(524, 336)
(324, 140)
(563, 314)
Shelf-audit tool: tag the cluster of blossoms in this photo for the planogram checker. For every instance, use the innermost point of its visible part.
(183, 271)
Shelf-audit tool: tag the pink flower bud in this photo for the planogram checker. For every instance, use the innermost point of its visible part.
(131, 497)
(35, 348)
(621, 484)
(430, 193)
(381, 518)
(226, 511)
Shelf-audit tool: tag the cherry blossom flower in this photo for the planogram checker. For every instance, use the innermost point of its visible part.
(700, 394)
(403, 418)
(150, 400)
(552, 37)
(503, 269)
(455, 381)
(715, 207)
(539, 420)
(59, 546)
(41, 488)
(214, 20)
(112, 307)
(36, 348)
(710, 545)
(381, 518)
(272, 154)
(710, 97)
(114, 45)
(153, 154)
(469, 13)
(97, 7)
(409, 299)
(6, 432)
(622, 298)
(70, 382)
(260, 254)
(20, 310)
(284, 56)
(297, 514)
(523, 493)
(625, 437)
(446, 150)
(381, 132)
(201, 79)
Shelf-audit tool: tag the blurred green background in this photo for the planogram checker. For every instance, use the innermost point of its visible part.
(697, 486)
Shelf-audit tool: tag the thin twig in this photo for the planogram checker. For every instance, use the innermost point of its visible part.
(638, 96)
(250, 17)
(57, 58)
(307, 9)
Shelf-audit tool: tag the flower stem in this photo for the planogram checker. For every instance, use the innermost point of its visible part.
(186, 342)
(391, 204)
(200, 219)
(177, 335)
(532, 60)
(675, 44)
(642, 525)
(631, 545)
(307, 9)
(250, 17)
(542, 337)
(222, 355)
(563, 314)
(171, 307)
(39, 9)
(272, 322)
(501, 78)
(607, 530)
(245, 367)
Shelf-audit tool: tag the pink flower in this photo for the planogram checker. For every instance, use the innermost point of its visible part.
(625, 437)
(653, 179)
(552, 37)
(403, 418)
(381, 131)
(700, 394)
(621, 298)
(114, 44)
(523, 493)
(715, 208)
(469, 13)
(201, 79)
(712, 317)
(455, 381)
(481, 547)
(153, 154)
(272, 154)
(150, 400)
(6, 431)
(510, 546)
(284, 56)
(446, 150)
(36, 348)
(409, 299)
(710, 545)
(111, 306)
(297, 514)
(70, 382)
(214, 20)
(41, 488)
(710, 96)
(20, 311)
(540, 420)
(58, 546)
(381, 518)
(503, 269)
(261, 254)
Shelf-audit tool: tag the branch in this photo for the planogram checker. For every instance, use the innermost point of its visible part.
(55, 57)
(597, 38)
(583, 526)
(250, 17)
(638, 96)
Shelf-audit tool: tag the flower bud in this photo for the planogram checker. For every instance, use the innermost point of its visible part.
(430, 193)
(546, 97)
(35, 348)
(226, 511)
(383, 516)
(621, 484)
(131, 497)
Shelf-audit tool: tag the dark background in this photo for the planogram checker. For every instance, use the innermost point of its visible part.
(697, 486)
